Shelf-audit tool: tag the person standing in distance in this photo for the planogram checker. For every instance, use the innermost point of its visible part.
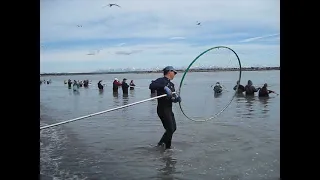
(164, 85)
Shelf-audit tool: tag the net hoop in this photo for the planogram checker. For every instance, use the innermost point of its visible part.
(187, 70)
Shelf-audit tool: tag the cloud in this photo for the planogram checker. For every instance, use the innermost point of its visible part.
(148, 33)
(259, 37)
(127, 52)
(121, 44)
(177, 38)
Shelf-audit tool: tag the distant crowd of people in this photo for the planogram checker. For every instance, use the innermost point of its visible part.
(115, 85)
(248, 90)
(45, 81)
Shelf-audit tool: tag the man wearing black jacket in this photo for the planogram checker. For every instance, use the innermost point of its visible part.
(163, 85)
(125, 86)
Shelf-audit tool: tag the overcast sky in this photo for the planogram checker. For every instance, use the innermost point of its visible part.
(87, 35)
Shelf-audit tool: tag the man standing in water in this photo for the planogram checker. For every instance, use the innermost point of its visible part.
(264, 92)
(163, 85)
(125, 86)
(250, 89)
(115, 85)
(240, 88)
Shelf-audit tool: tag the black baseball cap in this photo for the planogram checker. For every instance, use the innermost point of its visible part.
(170, 68)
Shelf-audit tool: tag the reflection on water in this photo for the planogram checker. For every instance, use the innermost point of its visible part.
(132, 92)
(264, 106)
(239, 99)
(125, 96)
(249, 105)
(217, 95)
(239, 95)
(115, 94)
(168, 170)
(76, 92)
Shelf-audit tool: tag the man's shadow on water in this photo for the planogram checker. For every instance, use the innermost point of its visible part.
(76, 92)
(264, 102)
(132, 92)
(116, 99)
(125, 98)
(249, 104)
(239, 97)
(217, 95)
(169, 168)
(125, 101)
(115, 95)
(100, 91)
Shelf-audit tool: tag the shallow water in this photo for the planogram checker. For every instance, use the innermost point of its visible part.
(242, 143)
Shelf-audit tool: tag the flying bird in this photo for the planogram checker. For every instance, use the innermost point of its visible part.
(110, 5)
(79, 25)
(198, 23)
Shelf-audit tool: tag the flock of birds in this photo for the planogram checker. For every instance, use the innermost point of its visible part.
(110, 5)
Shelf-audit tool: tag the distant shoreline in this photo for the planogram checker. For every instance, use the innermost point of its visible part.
(158, 71)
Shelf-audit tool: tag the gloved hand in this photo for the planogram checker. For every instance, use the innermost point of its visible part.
(176, 98)
(168, 91)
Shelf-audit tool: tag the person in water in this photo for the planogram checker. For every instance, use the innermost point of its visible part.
(100, 86)
(125, 86)
(152, 90)
(80, 83)
(217, 88)
(116, 85)
(85, 83)
(164, 85)
(250, 89)
(240, 88)
(264, 92)
(75, 86)
(69, 83)
(132, 85)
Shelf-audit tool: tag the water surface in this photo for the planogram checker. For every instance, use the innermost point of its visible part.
(242, 143)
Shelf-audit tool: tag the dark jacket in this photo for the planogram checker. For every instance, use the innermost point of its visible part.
(264, 92)
(152, 90)
(125, 87)
(240, 88)
(159, 85)
(132, 86)
(100, 86)
(250, 90)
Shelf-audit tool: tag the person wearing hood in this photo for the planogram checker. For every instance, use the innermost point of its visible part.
(264, 92)
(125, 86)
(240, 88)
(100, 86)
(217, 88)
(116, 85)
(250, 89)
(132, 85)
(164, 85)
